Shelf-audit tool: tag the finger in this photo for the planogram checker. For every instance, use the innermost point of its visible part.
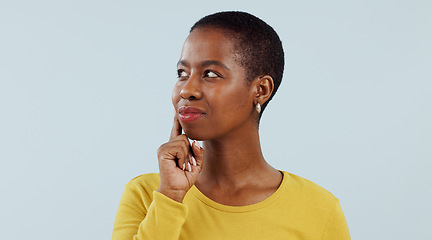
(176, 129)
(198, 154)
(189, 167)
(183, 157)
(187, 148)
(176, 152)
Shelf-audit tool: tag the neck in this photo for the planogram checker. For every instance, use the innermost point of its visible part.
(235, 160)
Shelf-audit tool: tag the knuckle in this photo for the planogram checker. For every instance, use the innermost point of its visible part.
(160, 149)
(183, 137)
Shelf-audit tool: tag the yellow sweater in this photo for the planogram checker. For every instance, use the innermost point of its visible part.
(299, 209)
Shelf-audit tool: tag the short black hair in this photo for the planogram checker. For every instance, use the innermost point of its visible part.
(257, 43)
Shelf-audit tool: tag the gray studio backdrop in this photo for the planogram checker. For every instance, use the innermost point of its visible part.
(85, 90)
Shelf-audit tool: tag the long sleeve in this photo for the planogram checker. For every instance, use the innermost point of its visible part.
(163, 218)
(337, 228)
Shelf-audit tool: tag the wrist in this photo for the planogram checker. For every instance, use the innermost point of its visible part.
(176, 195)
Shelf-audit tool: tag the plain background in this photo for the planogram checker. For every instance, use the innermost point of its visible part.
(85, 101)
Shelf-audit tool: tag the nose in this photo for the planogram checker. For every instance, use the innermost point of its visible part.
(191, 90)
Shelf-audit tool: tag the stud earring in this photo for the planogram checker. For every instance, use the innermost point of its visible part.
(258, 107)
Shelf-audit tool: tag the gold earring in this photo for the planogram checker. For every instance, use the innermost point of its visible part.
(258, 107)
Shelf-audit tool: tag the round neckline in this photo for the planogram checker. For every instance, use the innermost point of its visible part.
(246, 208)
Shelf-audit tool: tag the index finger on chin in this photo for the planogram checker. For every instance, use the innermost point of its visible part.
(176, 129)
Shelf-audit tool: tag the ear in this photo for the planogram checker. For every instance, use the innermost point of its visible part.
(264, 88)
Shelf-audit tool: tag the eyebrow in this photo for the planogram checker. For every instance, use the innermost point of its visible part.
(204, 63)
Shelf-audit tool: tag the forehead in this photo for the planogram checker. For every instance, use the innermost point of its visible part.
(205, 44)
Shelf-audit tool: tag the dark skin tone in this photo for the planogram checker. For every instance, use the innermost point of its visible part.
(230, 168)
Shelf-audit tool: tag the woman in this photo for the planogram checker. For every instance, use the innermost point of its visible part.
(230, 67)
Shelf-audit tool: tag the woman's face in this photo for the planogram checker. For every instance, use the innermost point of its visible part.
(211, 96)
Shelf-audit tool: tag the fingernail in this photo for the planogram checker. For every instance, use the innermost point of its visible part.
(183, 166)
(193, 161)
(189, 167)
(197, 144)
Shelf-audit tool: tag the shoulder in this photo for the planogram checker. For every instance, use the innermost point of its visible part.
(144, 184)
(139, 190)
(315, 207)
(149, 181)
(307, 192)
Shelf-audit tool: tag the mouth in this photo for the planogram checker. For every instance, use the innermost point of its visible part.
(188, 114)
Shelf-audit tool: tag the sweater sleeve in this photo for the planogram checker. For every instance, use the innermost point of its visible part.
(337, 228)
(162, 219)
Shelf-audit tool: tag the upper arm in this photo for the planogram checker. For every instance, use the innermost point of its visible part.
(336, 228)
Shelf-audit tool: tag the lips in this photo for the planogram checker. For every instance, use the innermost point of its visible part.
(188, 114)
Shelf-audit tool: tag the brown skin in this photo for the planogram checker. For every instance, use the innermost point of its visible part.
(211, 79)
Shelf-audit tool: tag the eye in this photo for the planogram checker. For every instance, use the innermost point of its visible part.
(211, 74)
(181, 74)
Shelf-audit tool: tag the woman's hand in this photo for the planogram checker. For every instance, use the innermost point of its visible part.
(179, 164)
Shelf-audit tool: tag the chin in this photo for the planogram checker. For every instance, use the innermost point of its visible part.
(196, 133)
(195, 136)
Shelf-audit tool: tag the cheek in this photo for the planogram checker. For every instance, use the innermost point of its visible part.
(235, 102)
(242, 104)
(175, 96)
